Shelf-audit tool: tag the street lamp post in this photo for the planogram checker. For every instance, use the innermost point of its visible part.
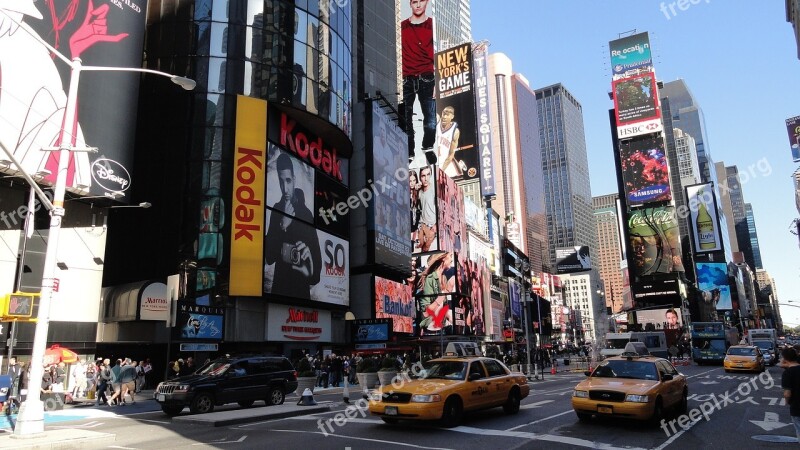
(31, 414)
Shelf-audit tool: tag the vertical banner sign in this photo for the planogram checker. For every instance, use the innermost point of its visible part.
(793, 127)
(247, 204)
(456, 147)
(484, 119)
(703, 218)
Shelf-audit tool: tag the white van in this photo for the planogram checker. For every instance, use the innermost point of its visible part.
(655, 341)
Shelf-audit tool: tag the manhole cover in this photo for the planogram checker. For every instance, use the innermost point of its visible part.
(775, 438)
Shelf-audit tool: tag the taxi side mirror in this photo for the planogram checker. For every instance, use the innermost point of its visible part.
(475, 376)
(666, 377)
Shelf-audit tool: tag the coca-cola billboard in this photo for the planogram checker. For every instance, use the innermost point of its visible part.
(654, 241)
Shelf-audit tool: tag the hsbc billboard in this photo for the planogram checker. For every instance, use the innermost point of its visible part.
(637, 129)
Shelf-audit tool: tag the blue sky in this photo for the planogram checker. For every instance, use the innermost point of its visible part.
(738, 58)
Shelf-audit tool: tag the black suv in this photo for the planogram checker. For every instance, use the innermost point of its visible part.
(241, 380)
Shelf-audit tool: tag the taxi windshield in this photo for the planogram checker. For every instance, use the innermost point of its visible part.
(448, 370)
(742, 351)
(638, 370)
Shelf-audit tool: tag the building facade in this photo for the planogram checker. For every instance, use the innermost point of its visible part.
(753, 232)
(608, 253)
(565, 167)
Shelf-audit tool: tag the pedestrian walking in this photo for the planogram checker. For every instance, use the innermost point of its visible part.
(790, 382)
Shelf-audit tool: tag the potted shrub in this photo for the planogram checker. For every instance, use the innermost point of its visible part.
(387, 371)
(306, 377)
(367, 373)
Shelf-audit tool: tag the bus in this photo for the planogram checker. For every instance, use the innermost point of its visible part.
(655, 341)
(710, 341)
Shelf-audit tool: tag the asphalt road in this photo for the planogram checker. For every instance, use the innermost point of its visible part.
(743, 411)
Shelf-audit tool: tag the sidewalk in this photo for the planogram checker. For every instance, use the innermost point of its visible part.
(83, 402)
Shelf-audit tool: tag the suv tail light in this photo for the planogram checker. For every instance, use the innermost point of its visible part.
(295, 374)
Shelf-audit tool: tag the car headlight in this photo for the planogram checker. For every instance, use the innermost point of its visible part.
(636, 398)
(419, 398)
(182, 388)
(580, 394)
(375, 396)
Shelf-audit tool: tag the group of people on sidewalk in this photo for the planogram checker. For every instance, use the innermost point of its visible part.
(123, 379)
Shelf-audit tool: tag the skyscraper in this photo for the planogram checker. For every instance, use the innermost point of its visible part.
(507, 156)
(686, 150)
(526, 116)
(453, 25)
(732, 200)
(608, 253)
(751, 228)
(687, 115)
(568, 194)
(793, 17)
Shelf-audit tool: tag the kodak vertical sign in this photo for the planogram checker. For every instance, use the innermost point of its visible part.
(247, 204)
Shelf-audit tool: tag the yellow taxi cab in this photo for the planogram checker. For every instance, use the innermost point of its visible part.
(444, 388)
(744, 357)
(631, 386)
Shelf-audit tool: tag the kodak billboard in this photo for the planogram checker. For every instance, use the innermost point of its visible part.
(247, 204)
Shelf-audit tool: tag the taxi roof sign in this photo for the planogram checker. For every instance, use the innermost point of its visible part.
(462, 349)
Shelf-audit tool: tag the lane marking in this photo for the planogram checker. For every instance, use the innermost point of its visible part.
(402, 444)
(540, 420)
(536, 405)
(240, 440)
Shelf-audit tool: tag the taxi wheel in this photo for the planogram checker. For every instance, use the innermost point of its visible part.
(202, 403)
(453, 410)
(658, 412)
(511, 406)
(389, 420)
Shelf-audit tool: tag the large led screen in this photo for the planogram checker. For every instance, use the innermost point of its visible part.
(573, 259)
(645, 173)
(35, 84)
(654, 241)
(395, 301)
(715, 290)
(391, 197)
(630, 53)
(636, 105)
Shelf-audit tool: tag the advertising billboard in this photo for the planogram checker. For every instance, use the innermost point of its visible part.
(715, 290)
(629, 54)
(484, 119)
(793, 127)
(660, 319)
(636, 105)
(199, 322)
(456, 144)
(515, 298)
(703, 218)
(452, 226)
(389, 210)
(654, 241)
(395, 301)
(657, 292)
(476, 298)
(417, 45)
(573, 259)
(433, 287)
(287, 323)
(424, 217)
(645, 172)
(372, 330)
(247, 204)
(35, 85)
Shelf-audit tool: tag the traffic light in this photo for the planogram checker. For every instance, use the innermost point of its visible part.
(18, 305)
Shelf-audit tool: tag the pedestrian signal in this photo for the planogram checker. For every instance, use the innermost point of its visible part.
(18, 305)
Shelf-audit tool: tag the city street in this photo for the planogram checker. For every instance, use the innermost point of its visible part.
(744, 411)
